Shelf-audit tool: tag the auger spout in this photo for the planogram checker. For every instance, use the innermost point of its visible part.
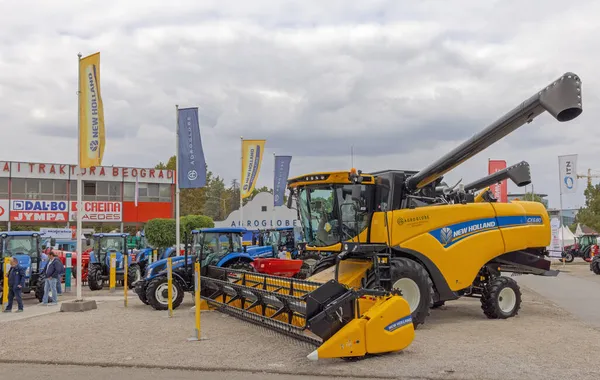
(561, 98)
(518, 173)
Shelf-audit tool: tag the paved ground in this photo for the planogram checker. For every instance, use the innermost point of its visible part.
(457, 342)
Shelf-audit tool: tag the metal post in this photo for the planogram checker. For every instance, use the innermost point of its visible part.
(177, 217)
(560, 216)
(113, 271)
(79, 230)
(242, 224)
(125, 266)
(68, 272)
(170, 286)
(5, 283)
(197, 333)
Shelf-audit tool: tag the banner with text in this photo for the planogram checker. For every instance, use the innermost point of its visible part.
(192, 166)
(567, 167)
(252, 154)
(4, 210)
(499, 190)
(91, 113)
(57, 233)
(282, 171)
(98, 211)
(38, 211)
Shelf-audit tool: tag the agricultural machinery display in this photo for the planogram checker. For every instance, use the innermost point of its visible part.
(104, 244)
(26, 247)
(583, 248)
(221, 247)
(401, 241)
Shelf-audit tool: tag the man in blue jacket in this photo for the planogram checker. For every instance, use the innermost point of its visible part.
(53, 270)
(16, 282)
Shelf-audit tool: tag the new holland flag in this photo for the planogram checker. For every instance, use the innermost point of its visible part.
(91, 113)
(252, 155)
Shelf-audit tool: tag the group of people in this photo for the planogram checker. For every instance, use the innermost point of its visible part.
(52, 282)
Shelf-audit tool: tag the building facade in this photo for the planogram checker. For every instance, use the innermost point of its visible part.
(45, 194)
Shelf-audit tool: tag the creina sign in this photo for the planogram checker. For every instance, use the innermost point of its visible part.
(98, 211)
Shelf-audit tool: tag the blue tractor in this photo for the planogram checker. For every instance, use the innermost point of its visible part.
(26, 247)
(99, 265)
(220, 247)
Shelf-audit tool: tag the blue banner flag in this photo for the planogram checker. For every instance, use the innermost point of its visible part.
(282, 171)
(191, 170)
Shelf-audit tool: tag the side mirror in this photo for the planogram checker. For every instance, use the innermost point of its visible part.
(289, 200)
(52, 242)
(245, 248)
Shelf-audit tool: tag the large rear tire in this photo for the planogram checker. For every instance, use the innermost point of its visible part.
(157, 293)
(94, 278)
(416, 287)
(134, 274)
(595, 265)
(501, 298)
(140, 290)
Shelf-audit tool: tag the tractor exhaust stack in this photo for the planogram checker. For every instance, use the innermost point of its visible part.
(562, 99)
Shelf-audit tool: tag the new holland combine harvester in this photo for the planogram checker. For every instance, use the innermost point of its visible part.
(401, 242)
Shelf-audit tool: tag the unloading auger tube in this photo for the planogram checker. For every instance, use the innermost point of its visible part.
(562, 99)
(341, 322)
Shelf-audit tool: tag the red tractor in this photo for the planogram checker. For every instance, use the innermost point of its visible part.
(583, 247)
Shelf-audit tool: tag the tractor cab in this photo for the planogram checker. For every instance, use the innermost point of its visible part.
(282, 240)
(104, 245)
(26, 247)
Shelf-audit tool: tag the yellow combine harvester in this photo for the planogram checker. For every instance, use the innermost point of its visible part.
(402, 241)
(407, 230)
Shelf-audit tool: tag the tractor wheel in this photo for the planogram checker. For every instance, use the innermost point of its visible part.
(416, 287)
(157, 293)
(134, 274)
(94, 278)
(501, 298)
(595, 265)
(140, 290)
(569, 257)
(438, 304)
(39, 288)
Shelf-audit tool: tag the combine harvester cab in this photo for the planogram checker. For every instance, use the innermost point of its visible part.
(26, 247)
(409, 231)
(99, 260)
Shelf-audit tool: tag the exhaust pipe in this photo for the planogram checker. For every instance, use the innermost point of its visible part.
(562, 99)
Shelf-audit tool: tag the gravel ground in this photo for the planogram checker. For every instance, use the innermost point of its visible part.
(457, 342)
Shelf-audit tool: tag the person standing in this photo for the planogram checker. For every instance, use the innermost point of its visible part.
(16, 282)
(53, 271)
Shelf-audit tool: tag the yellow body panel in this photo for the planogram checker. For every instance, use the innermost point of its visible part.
(350, 273)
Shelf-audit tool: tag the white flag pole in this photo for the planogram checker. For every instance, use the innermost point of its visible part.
(177, 235)
(560, 216)
(79, 227)
(274, 175)
(241, 182)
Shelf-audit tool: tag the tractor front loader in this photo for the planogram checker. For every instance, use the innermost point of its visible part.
(407, 230)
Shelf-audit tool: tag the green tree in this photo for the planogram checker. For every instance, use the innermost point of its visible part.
(589, 215)
(160, 232)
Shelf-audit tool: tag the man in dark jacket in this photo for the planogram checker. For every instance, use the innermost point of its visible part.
(16, 282)
(53, 270)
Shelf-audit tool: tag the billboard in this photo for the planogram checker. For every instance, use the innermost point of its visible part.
(98, 211)
(4, 210)
(25, 210)
(57, 233)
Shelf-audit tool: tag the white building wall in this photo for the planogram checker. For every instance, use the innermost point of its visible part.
(259, 213)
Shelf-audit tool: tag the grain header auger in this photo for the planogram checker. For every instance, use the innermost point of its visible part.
(408, 230)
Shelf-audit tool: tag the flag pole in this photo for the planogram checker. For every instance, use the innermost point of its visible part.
(79, 232)
(562, 232)
(241, 180)
(177, 234)
(273, 224)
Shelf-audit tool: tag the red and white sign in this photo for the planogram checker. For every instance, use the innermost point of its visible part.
(24, 210)
(3, 210)
(500, 191)
(101, 173)
(98, 211)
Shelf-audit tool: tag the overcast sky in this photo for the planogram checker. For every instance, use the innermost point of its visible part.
(404, 82)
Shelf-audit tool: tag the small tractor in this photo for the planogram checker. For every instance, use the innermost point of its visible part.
(221, 247)
(401, 241)
(583, 247)
(26, 247)
(104, 244)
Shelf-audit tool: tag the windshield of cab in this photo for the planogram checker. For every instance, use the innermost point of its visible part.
(111, 243)
(329, 215)
(218, 243)
(20, 245)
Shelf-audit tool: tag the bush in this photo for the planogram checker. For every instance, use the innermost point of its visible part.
(160, 233)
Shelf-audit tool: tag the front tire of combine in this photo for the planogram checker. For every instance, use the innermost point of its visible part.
(501, 298)
(134, 274)
(414, 282)
(94, 278)
(595, 265)
(157, 293)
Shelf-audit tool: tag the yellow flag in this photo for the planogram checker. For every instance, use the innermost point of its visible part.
(252, 155)
(91, 113)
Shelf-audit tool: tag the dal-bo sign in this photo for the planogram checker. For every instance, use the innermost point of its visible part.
(24, 210)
